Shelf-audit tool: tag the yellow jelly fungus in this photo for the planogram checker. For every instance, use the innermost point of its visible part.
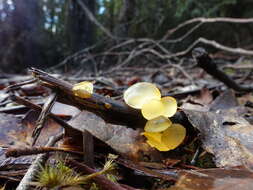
(152, 109)
(158, 145)
(170, 105)
(140, 93)
(173, 136)
(153, 136)
(83, 89)
(154, 140)
(158, 124)
(108, 106)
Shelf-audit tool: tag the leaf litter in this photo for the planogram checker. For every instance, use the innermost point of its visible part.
(223, 129)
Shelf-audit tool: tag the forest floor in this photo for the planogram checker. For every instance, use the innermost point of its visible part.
(60, 140)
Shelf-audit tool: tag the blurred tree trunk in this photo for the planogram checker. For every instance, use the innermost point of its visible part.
(126, 16)
(79, 28)
(22, 50)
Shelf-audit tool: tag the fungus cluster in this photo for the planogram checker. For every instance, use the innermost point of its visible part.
(160, 132)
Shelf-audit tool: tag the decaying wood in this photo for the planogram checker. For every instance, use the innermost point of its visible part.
(205, 62)
(111, 110)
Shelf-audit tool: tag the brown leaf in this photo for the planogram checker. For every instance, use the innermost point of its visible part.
(125, 141)
(224, 132)
(34, 89)
(64, 110)
(21, 134)
(204, 98)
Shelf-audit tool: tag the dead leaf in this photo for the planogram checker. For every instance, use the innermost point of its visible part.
(64, 110)
(205, 97)
(125, 141)
(50, 129)
(224, 132)
(17, 132)
(34, 90)
(8, 124)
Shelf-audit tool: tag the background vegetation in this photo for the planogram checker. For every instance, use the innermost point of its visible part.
(43, 33)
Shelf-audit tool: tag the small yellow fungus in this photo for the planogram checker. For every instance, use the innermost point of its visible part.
(173, 136)
(140, 93)
(153, 136)
(152, 109)
(159, 130)
(154, 140)
(158, 145)
(83, 89)
(170, 105)
(108, 106)
(158, 124)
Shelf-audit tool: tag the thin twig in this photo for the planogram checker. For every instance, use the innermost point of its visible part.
(31, 105)
(35, 167)
(213, 43)
(18, 85)
(16, 152)
(208, 20)
(43, 116)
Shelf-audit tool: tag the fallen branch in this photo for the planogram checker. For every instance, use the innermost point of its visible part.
(109, 109)
(17, 152)
(205, 62)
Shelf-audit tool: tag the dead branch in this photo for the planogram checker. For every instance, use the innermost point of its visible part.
(109, 109)
(205, 62)
(130, 50)
(35, 167)
(16, 152)
(217, 45)
(43, 116)
(213, 43)
(208, 20)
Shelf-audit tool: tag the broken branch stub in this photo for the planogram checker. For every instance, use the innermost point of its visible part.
(117, 112)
